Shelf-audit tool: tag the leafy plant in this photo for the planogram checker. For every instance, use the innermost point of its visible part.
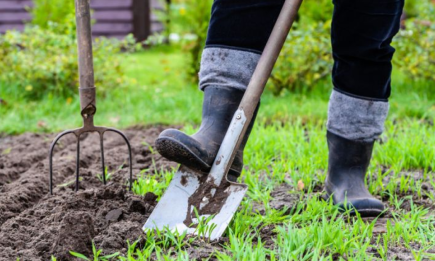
(421, 9)
(107, 175)
(415, 50)
(305, 59)
(42, 61)
(203, 226)
(45, 12)
(192, 18)
(155, 184)
(315, 11)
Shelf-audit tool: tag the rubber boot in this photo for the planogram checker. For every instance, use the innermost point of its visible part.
(199, 150)
(348, 163)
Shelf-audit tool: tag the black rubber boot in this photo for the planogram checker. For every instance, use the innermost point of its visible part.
(348, 163)
(199, 150)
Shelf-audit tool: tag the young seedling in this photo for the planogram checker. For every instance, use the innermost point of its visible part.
(96, 255)
(108, 175)
(203, 228)
(149, 147)
(69, 183)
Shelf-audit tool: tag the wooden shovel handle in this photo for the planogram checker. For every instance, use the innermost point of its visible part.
(266, 63)
(270, 55)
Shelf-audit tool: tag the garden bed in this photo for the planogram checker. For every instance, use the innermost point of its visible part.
(34, 225)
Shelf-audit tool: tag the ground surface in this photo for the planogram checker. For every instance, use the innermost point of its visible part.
(283, 215)
(35, 225)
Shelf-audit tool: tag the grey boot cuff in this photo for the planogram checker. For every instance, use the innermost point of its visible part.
(356, 119)
(224, 67)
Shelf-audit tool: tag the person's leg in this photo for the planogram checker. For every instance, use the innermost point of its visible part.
(237, 35)
(361, 34)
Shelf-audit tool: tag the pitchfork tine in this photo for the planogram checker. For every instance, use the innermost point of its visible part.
(102, 157)
(78, 163)
(130, 160)
(53, 144)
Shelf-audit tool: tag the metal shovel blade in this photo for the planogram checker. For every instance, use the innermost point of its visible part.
(189, 190)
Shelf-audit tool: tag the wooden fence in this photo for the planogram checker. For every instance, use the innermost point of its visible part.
(114, 18)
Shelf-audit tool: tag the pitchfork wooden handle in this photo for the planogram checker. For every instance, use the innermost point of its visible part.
(86, 66)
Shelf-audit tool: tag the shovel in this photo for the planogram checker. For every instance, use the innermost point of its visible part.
(192, 198)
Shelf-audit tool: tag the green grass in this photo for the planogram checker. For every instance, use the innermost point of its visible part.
(153, 97)
(287, 146)
(315, 230)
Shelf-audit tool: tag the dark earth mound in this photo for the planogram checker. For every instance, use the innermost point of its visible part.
(35, 225)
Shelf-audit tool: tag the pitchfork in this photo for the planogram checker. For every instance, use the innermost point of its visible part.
(87, 95)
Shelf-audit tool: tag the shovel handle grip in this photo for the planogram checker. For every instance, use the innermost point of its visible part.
(85, 57)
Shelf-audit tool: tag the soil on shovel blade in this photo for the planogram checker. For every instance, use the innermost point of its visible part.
(35, 225)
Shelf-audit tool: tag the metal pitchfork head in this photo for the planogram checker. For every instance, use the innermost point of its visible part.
(87, 95)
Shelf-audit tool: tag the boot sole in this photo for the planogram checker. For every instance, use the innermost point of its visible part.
(365, 212)
(173, 150)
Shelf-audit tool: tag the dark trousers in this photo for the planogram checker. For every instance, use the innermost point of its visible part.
(361, 35)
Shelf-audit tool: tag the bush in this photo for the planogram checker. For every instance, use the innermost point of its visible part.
(190, 19)
(315, 11)
(39, 61)
(51, 11)
(415, 50)
(415, 44)
(305, 59)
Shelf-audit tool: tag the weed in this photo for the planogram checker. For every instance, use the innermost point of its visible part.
(96, 255)
(108, 175)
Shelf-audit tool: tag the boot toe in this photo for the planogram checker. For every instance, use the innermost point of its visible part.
(366, 207)
(181, 148)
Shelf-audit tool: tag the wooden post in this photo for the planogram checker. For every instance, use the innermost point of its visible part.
(141, 19)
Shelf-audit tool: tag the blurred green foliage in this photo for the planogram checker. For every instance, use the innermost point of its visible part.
(306, 57)
(42, 60)
(45, 12)
(190, 19)
(415, 43)
(315, 11)
(415, 50)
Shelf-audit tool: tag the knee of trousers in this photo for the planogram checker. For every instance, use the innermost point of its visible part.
(242, 24)
(361, 35)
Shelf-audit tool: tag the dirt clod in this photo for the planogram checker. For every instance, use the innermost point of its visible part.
(137, 205)
(114, 215)
(75, 234)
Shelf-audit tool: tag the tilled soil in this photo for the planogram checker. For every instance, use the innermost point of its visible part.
(35, 225)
